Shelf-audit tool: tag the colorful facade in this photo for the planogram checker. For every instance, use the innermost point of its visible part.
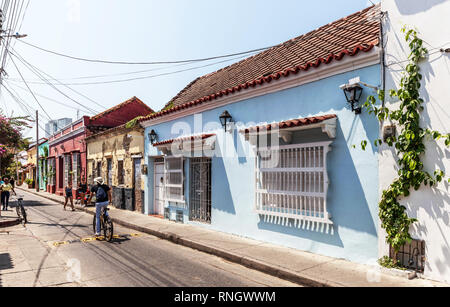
(118, 155)
(67, 162)
(283, 168)
(67, 156)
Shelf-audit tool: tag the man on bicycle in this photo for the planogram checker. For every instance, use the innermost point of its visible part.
(103, 199)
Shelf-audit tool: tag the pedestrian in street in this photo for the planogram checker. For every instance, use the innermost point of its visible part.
(82, 190)
(6, 189)
(69, 196)
(103, 199)
(13, 182)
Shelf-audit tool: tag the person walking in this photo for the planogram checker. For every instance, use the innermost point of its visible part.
(6, 189)
(103, 199)
(69, 196)
(82, 190)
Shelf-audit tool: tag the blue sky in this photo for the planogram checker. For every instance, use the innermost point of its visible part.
(149, 30)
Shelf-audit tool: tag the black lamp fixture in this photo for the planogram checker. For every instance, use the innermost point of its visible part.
(353, 94)
(225, 119)
(152, 136)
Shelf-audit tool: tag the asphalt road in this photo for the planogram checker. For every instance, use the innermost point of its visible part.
(29, 256)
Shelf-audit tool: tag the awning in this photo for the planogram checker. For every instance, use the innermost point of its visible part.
(286, 128)
(188, 143)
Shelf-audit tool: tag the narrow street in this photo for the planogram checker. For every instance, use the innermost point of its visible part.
(29, 256)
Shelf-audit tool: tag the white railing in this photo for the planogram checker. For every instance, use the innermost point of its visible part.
(292, 183)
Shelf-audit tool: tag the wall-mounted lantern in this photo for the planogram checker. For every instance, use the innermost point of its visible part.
(152, 136)
(353, 94)
(225, 119)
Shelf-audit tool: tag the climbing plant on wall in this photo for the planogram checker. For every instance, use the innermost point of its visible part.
(409, 145)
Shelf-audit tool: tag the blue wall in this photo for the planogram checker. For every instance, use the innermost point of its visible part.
(353, 173)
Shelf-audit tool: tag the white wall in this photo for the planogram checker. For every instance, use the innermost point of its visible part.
(430, 206)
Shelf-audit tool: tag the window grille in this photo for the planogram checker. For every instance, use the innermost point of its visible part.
(76, 169)
(67, 169)
(120, 173)
(292, 183)
(411, 255)
(51, 171)
(99, 168)
(174, 179)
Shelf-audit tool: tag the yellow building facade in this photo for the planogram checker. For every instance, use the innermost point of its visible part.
(117, 155)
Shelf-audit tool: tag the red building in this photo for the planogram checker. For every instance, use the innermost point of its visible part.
(67, 148)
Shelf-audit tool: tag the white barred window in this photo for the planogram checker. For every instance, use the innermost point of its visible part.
(292, 182)
(174, 179)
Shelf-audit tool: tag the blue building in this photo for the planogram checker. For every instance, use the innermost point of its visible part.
(264, 148)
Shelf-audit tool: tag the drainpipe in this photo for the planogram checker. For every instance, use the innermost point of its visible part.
(383, 62)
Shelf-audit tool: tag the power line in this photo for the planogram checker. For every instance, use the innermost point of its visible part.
(139, 78)
(60, 83)
(55, 88)
(47, 98)
(17, 68)
(144, 63)
(36, 70)
(26, 108)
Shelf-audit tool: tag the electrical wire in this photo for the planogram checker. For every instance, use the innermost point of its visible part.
(47, 98)
(139, 78)
(55, 88)
(144, 63)
(17, 68)
(60, 83)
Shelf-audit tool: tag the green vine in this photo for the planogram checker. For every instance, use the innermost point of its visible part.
(409, 145)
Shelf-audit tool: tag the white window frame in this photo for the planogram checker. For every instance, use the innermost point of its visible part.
(299, 200)
(168, 185)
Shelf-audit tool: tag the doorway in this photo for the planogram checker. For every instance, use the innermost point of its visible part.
(137, 184)
(159, 189)
(200, 190)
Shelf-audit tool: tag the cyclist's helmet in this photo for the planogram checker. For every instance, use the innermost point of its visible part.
(98, 180)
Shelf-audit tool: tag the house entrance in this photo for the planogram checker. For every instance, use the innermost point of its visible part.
(200, 190)
(159, 189)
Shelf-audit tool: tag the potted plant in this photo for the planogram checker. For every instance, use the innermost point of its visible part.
(30, 183)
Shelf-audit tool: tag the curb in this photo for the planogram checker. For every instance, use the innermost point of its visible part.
(254, 264)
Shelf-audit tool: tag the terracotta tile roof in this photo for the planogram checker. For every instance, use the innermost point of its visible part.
(120, 106)
(184, 139)
(290, 123)
(348, 36)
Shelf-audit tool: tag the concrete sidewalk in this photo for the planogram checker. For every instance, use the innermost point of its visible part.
(300, 267)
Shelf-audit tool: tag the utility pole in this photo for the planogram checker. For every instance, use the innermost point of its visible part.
(37, 151)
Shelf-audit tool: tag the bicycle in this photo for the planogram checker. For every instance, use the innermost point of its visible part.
(106, 224)
(20, 209)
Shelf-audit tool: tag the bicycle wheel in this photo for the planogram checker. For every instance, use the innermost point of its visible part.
(19, 210)
(24, 214)
(108, 229)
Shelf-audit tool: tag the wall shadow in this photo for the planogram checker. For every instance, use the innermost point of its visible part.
(220, 188)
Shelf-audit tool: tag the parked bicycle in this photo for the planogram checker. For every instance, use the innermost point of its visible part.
(106, 225)
(20, 209)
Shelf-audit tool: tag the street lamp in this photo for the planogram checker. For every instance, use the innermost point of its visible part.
(152, 136)
(353, 94)
(225, 119)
